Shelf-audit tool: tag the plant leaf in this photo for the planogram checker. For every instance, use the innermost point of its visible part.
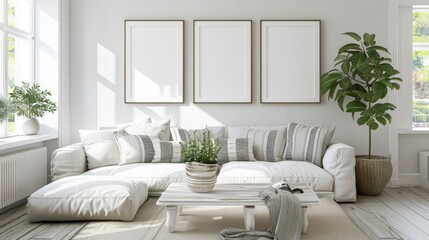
(348, 47)
(355, 36)
(355, 106)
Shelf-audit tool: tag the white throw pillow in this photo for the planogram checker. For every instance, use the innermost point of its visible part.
(268, 144)
(100, 147)
(159, 128)
(146, 149)
(307, 143)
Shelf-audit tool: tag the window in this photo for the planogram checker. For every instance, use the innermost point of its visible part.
(17, 51)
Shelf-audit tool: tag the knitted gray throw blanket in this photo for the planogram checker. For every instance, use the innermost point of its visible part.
(285, 219)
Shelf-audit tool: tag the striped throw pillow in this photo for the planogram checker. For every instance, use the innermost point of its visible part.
(235, 149)
(146, 149)
(307, 143)
(184, 135)
(268, 144)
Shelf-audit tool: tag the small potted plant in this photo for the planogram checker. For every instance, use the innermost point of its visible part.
(360, 83)
(200, 156)
(31, 102)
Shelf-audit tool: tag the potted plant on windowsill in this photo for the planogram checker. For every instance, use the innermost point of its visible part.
(200, 156)
(363, 79)
(31, 102)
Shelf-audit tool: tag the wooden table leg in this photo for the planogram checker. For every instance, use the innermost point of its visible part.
(249, 218)
(179, 210)
(170, 223)
(304, 224)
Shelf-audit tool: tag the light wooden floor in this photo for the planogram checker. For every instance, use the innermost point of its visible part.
(398, 213)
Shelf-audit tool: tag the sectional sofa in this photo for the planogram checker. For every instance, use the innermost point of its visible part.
(332, 174)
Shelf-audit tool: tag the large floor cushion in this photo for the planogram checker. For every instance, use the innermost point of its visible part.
(268, 172)
(87, 198)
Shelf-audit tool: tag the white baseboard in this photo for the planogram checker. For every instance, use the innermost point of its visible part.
(409, 179)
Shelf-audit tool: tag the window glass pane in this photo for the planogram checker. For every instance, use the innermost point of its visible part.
(20, 14)
(19, 67)
(421, 88)
(420, 68)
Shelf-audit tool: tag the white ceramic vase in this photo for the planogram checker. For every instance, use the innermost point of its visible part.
(201, 177)
(31, 126)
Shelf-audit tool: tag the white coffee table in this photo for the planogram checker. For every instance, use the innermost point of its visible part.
(178, 195)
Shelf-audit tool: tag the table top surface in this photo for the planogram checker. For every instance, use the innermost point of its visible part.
(229, 194)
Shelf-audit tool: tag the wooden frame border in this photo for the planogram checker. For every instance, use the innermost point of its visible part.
(247, 64)
(315, 98)
(125, 60)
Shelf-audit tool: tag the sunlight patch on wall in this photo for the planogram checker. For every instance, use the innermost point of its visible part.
(106, 63)
(195, 117)
(106, 115)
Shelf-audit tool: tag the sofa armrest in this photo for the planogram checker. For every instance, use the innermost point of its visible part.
(68, 161)
(339, 160)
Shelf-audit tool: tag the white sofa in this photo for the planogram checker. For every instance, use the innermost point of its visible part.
(336, 178)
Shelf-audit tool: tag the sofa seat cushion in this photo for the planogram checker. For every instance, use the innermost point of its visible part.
(80, 198)
(158, 176)
(269, 172)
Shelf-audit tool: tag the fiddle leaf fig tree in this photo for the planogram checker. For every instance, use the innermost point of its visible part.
(361, 80)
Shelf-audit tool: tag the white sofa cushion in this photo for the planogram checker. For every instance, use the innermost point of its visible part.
(68, 161)
(158, 128)
(307, 143)
(268, 144)
(158, 176)
(269, 172)
(100, 147)
(235, 149)
(82, 197)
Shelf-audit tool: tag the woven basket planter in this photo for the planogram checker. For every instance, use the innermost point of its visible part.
(372, 175)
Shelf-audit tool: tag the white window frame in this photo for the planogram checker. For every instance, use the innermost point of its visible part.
(5, 31)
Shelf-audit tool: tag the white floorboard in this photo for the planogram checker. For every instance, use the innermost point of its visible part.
(398, 213)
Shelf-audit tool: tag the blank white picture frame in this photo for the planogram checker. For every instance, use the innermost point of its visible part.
(222, 61)
(290, 61)
(154, 61)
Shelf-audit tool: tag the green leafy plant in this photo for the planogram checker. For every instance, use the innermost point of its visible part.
(5, 109)
(203, 150)
(362, 80)
(30, 101)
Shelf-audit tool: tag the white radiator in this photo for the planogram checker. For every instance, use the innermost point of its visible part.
(424, 170)
(22, 173)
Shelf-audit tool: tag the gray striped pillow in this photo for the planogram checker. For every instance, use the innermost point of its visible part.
(184, 135)
(307, 143)
(146, 149)
(268, 144)
(235, 149)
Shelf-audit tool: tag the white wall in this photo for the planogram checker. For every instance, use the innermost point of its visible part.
(47, 65)
(97, 39)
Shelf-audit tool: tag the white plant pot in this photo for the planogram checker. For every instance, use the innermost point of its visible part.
(31, 126)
